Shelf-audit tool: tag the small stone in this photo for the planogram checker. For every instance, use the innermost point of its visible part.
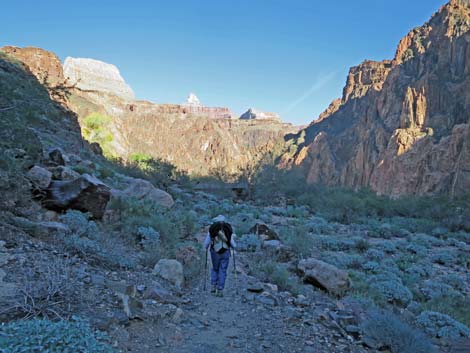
(177, 315)
(41, 177)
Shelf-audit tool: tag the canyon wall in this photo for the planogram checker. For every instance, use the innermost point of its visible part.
(402, 126)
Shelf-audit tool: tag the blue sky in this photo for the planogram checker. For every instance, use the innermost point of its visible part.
(286, 56)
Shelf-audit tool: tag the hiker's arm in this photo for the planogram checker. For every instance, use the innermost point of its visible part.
(207, 241)
(233, 244)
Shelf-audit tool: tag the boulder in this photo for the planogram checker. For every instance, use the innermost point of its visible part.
(40, 177)
(56, 156)
(64, 173)
(157, 292)
(274, 245)
(171, 270)
(143, 189)
(264, 232)
(324, 276)
(86, 193)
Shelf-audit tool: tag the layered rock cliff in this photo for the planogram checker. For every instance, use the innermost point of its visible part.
(252, 114)
(94, 75)
(200, 144)
(401, 126)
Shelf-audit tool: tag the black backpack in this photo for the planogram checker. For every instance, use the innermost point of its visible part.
(214, 230)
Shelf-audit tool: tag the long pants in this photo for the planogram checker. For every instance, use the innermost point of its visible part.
(219, 268)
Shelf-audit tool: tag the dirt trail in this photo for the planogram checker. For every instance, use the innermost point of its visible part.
(246, 322)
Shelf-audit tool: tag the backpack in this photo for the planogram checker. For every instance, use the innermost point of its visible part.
(221, 235)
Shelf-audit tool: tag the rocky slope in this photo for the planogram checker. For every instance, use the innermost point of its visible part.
(401, 126)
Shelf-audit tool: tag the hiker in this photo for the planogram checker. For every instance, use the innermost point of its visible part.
(220, 239)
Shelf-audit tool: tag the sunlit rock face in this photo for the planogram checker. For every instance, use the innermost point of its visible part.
(402, 126)
(252, 114)
(43, 64)
(98, 76)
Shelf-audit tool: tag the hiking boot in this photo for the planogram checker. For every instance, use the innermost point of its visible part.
(220, 293)
(213, 289)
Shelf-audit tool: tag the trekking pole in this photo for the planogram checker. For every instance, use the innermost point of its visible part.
(205, 272)
(235, 270)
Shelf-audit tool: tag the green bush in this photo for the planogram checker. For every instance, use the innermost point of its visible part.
(390, 332)
(96, 128)
(456, 306)
(47, 336)
(274, 273)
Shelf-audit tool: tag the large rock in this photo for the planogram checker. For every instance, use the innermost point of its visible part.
(143, 189)
(264, 232)
(86, 193)
(324, 276)
(95, 75)
(40, 177)
(171, 270)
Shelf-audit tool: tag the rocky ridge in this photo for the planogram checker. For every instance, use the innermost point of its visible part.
(402, 125)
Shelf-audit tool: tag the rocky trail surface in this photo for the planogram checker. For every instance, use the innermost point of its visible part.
(251, 317)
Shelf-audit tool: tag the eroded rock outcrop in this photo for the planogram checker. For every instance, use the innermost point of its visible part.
(402, 126)
(95, 75)
(43, 64)
(251, 114)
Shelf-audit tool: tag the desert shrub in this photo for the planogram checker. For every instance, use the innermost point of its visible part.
(298, 239)
(48, 336)
(371, 266)
(416, 269)
(441, 326)
(431, 289)
(375, 254)
(405, 261)
(273, 272)
(50, 291)
(417, 249)
(148, 237)
(14, 188)
(390, 290)
(342, 260)
(133, 213)
(388, 331)
(90, 242)
(80, 223)
(332, 243)
(248, 242)
(103, 249)
(82, 169)
(456, 306)
(444, 257)
(362, 245)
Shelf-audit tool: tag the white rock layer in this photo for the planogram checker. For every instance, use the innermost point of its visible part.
(95, 75)
(251, 114)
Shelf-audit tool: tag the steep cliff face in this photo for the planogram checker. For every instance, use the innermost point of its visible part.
(402, 126)
(94, 75)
